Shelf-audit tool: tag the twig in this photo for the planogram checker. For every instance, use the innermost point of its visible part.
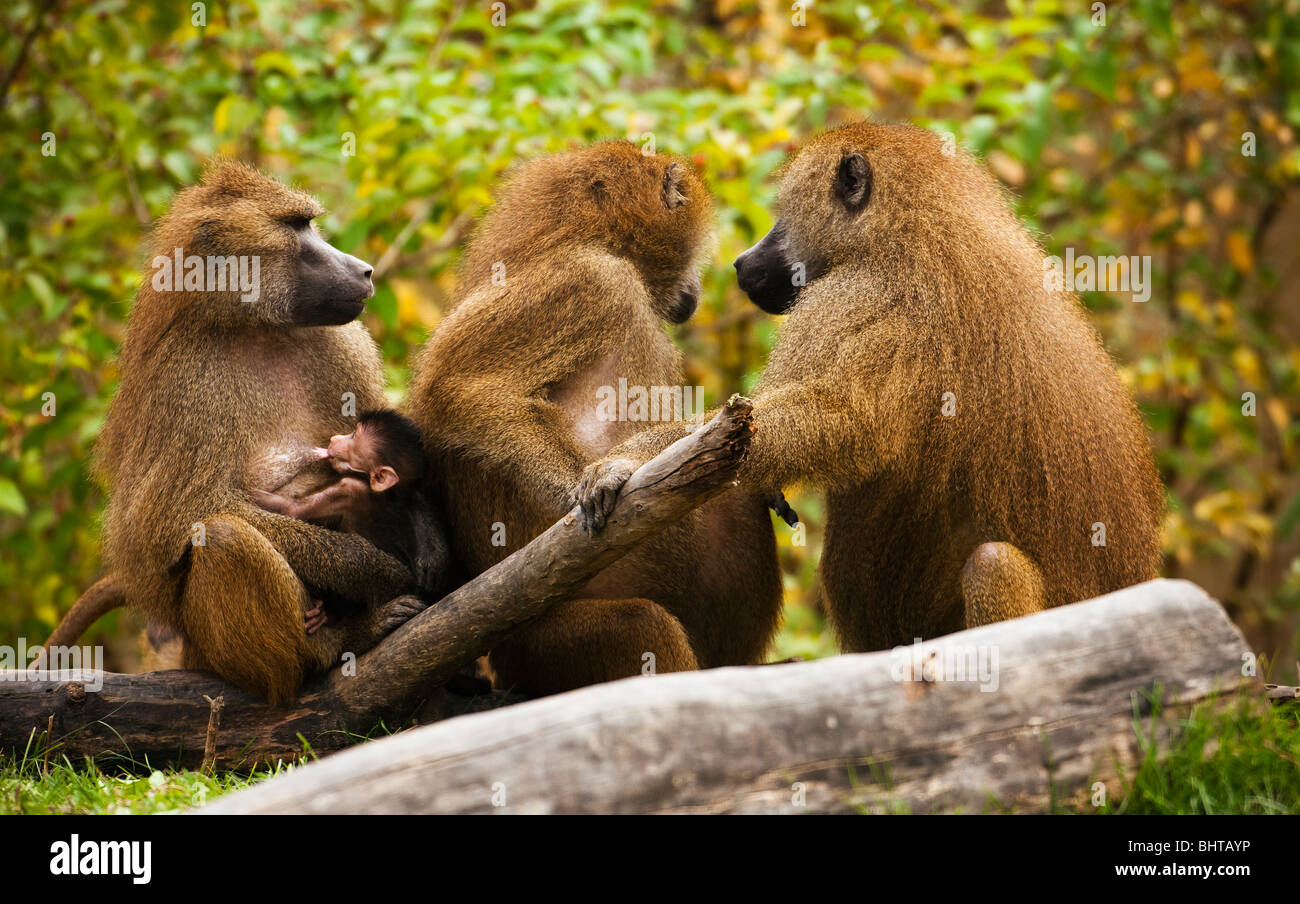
(215, 707)
(49, 738)
(449, 238)
(22, 51)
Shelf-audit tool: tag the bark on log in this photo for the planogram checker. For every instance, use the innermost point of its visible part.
(163, 716)
(840, 735)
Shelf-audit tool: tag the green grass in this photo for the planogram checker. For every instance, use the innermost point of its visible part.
(803, 633)
(59, 787)
(1239, 757)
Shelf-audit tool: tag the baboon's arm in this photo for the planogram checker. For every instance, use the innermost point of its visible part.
(432, 559)
(804, 430)
(811, 431)
(490, 373)
(529, 442)
(333, 502)
(343, 564)
(807, 431)
(648, 443)
(272, 502)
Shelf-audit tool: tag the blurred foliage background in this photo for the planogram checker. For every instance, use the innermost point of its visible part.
(1119, 129)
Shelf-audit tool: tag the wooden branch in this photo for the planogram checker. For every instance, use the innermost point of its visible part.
(1054, 713)
(1281, 692)
(163, 716)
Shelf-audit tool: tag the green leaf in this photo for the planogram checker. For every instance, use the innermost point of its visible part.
(11, 498)
(52, 305)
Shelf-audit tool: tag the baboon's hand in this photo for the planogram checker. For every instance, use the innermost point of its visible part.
(776, 502)
(396, 612)
(598, 489)
(316, 617)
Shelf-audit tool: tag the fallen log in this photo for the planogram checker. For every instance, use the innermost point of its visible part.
(920, 729)
(163, 717)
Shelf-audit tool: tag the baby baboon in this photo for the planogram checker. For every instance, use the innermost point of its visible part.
(980, 457)
(234, 366)
(379, 495)
(565, 290)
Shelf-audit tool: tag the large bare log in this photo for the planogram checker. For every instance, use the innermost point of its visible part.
(845, 734)
(163, 716)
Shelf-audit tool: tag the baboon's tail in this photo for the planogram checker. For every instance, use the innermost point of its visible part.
(103, 597)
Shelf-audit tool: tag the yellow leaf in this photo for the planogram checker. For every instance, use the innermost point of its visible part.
(221, 115)
(1225, 313)
(1084, 145)
(1192, 303)
(1007, 168)
(1240, 252)
(1214, 506)
(413, 306)
(1247, 364)
(278, 60)
(275, 117)
(1278, 414)
(1222, 199)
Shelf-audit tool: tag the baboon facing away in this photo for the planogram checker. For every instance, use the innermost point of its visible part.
(565, 289)
(225, 390)
(980, 457)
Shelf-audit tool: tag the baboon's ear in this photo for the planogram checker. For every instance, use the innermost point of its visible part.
(206, 236)
(853, 182)
(674, 197)
(598, 191)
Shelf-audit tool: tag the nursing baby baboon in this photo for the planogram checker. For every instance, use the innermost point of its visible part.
(379, 494)
(980, 457)
(237, 363)
(565, 290)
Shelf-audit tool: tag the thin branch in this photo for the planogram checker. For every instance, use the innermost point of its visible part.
(30, 37)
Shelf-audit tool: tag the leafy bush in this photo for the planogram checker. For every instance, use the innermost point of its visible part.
(1117, 138)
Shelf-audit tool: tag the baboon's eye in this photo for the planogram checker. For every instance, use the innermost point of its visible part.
(297, 221)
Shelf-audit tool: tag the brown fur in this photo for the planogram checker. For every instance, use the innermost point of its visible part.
(505, 392)
(934, 522)
(212, 391)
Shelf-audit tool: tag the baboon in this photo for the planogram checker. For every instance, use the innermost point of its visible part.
(226, 385)
(379, 494)
(980, 457)
(565, 290)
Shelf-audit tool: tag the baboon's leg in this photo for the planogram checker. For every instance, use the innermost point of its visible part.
(242, 614)
(587, 641)
(999, 582)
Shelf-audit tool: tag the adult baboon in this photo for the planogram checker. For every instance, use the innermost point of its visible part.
(565, 290)
(980, 457)
(240, 357)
